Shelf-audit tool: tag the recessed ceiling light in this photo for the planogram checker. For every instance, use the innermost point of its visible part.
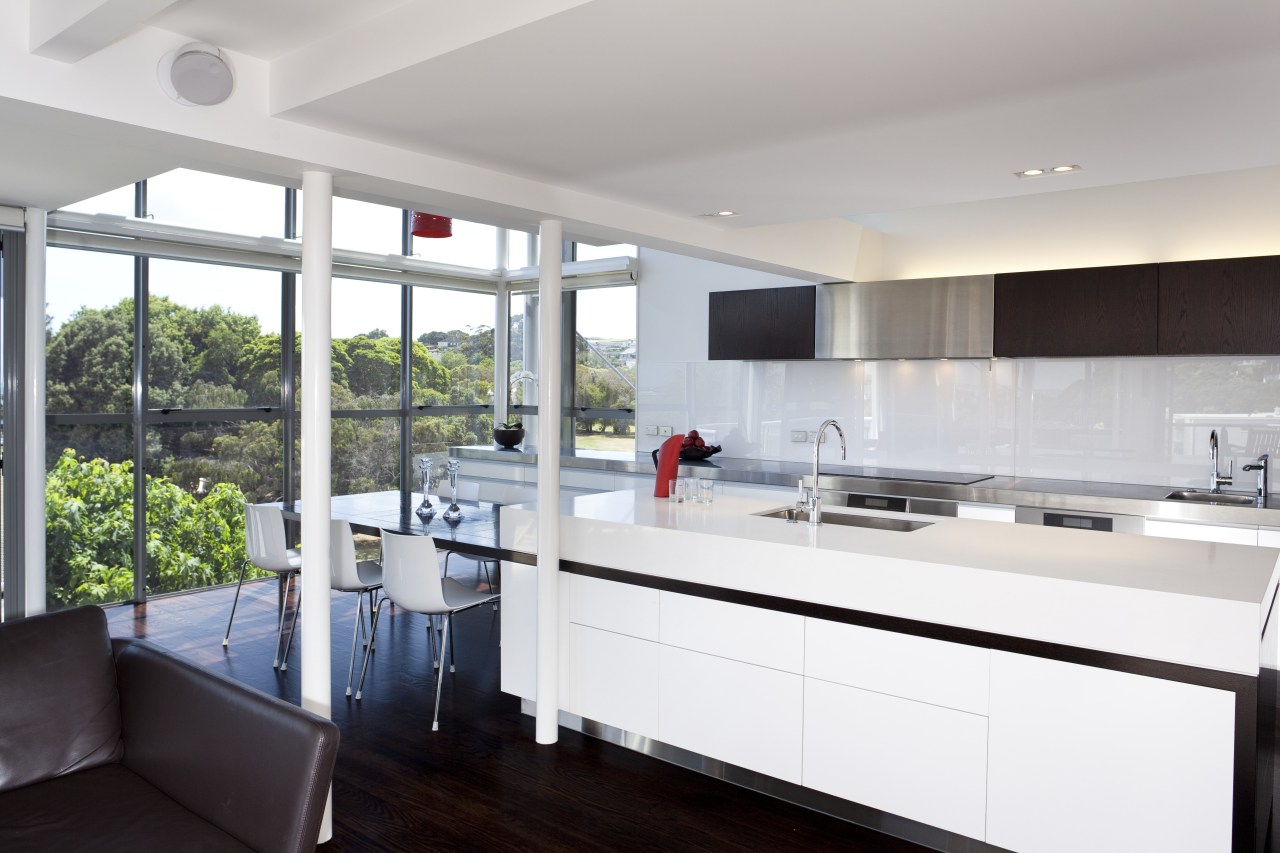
(1055, 170)
(720, 213)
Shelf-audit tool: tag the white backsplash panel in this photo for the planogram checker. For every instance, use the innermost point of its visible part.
(1128, 420)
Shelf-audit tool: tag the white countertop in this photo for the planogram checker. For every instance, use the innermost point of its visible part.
(1196, 603)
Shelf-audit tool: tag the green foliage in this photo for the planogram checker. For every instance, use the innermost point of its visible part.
(89, 528)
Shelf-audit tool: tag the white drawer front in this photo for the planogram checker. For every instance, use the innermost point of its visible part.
(907, 758)
(932, 671)
(1226, 533)
(612, 606)
(749, 634)
(612, 679)
(1091, 759)
(746, 715)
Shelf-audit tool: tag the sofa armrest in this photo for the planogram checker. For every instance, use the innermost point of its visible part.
(252, 765)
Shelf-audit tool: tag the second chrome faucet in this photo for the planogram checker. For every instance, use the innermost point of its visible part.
(815, 502)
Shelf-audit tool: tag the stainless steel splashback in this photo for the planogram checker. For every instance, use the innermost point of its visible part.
(913, 318)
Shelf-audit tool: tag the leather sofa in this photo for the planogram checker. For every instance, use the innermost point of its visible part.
(115, 744)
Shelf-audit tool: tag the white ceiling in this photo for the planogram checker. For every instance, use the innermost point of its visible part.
(782, 111)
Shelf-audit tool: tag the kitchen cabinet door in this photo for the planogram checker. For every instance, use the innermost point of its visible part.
(948, 675)
(908, 758)
(612, 679)
(1220, 307)
(1081, 758)
(747, 715)
(735, 631)
(769, 323)
(1229, 534)
(1097, 311)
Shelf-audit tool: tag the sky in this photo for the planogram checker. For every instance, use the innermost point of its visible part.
(78, 278)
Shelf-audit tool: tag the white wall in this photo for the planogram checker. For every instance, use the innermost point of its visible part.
(1135, 420)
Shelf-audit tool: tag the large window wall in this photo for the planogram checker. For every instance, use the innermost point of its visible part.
(177, 370)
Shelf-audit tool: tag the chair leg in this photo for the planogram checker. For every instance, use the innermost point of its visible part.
(448, 621)
(284, 602)
(227, 637)
(435, 719)
(355, 637)
(297, 608)
(373, 631)
(431, 637)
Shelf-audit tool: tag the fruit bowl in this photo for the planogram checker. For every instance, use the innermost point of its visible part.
(697, 453)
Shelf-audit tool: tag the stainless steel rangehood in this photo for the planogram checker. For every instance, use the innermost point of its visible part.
(912, 318)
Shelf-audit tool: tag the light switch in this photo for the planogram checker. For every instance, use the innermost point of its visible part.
(664, 430)
(797, 435)
(651, 430)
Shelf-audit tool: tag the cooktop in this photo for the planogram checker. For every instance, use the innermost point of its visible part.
(903, 474)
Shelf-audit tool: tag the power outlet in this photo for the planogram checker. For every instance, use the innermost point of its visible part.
(664, 431)
(651, 430)
(797, 435)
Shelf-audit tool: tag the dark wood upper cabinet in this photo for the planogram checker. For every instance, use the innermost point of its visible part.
(1097, 311)
(1222, 307)
(771, 323)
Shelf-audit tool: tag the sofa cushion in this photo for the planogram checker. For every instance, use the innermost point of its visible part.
(109, 808)
(61, 712)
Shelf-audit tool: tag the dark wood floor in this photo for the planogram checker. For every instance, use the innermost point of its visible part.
(481, 782)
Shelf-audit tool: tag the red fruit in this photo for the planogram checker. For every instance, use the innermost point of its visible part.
(693, 433)
(699, 442)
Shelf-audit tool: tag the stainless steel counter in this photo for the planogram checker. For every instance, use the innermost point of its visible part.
(1070, 495)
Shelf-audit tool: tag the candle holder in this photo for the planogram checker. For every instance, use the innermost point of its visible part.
(454, 513)
(426, 510)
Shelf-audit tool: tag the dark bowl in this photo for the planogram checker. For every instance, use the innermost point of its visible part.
(508, 437)
(697, 453)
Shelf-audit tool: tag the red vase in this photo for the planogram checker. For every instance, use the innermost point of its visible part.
(668, 465)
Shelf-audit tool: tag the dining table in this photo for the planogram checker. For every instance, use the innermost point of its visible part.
(475, 534)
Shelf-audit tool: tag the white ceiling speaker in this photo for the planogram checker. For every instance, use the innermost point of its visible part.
(196, 74)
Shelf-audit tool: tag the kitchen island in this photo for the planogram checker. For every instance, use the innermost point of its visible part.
(1024, 688)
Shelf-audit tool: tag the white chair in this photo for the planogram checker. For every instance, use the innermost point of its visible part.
(347, 575)
(411, 580)
(267, 549)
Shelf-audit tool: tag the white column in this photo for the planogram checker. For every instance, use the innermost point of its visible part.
(546, 726)
(317, 336)
(33, 410)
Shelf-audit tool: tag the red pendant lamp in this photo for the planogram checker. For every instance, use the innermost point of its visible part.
(430, 225)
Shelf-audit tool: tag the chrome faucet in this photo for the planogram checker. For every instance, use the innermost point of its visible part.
(1217, 480)
(1261, 467)
(815, 502)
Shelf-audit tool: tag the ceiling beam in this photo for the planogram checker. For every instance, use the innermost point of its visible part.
(70, 30)
(407, 35)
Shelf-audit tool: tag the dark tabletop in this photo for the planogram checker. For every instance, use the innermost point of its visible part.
(475, 533)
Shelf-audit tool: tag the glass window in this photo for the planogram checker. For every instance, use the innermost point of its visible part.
(215, 336)
(118, 202)
(200, 476)
(472, 245)
(89, 349)
(216, 203)
(518, 249)
(89, 515)
(365, 455)
(585, 252)
(433, 435)
(605, 366)
(366, 345)
(364, 227)
(453, 348)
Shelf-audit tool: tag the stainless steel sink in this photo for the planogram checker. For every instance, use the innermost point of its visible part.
(1211, 498)
(842, 519)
